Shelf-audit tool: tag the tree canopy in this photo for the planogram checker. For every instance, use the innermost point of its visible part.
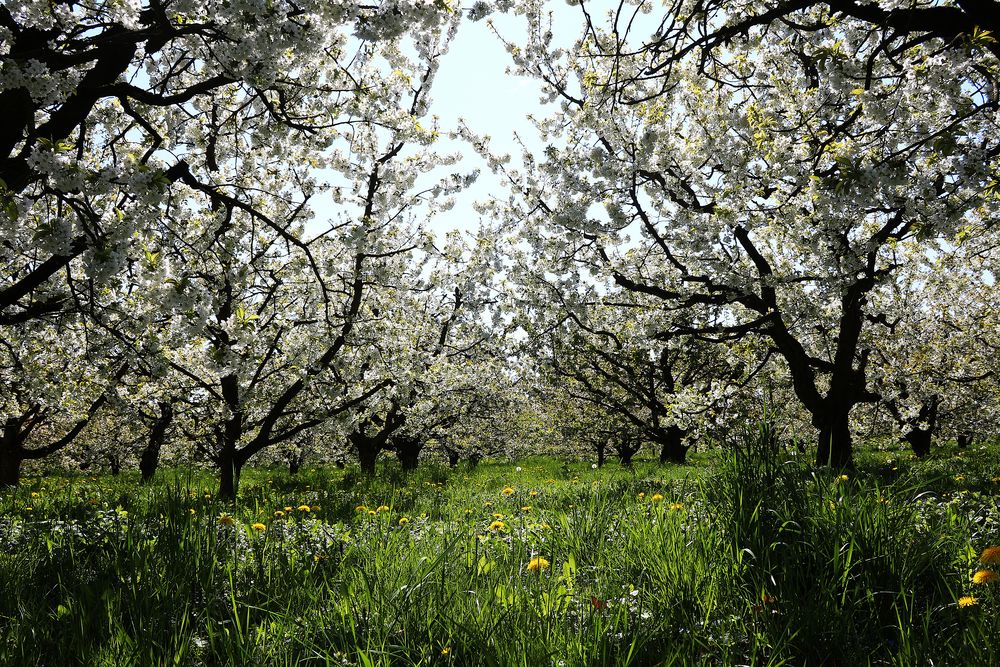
(729, 201)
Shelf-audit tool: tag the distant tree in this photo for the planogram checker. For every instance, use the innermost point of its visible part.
(53, 385)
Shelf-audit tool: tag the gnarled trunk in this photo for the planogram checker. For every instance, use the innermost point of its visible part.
(964, 440)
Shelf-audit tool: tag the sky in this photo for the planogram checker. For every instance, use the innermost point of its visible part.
(472, 84)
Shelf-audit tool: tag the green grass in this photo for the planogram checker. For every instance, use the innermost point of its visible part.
(751, 559)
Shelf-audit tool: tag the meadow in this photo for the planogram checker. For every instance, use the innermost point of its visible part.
(751, 556)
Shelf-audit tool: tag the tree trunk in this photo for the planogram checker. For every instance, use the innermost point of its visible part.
(672, 447)
(625, 453)
(408, 451)
(920, 441)
(11, 454)
(10, 467)
(367, 450)
(115, 464)
(920, 438)
(452, 457)
(229, 461)
(602, 453)
(964, 440)
(366, 459)
(150, 459)
(229, 475)
(834, 445)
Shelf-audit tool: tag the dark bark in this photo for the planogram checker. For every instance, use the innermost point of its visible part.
(602, 455)
(964, 440)
(229, 475)
(672, 447)
(367, 453)
(919, 438)
(229, 457)
(453, 456)
(11, 458)
(408, 450)
(834, 447)
(150, 458)
(627, 450)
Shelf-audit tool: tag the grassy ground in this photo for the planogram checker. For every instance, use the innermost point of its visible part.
(747, 560)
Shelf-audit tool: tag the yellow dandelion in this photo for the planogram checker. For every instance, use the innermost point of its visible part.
(497, 515)
(842, 478)
(990, 556)
(382, 508)
(526, 508)
(34, 494)
(959, 478)
(361, 508)
(446, 650)
(315, 508)
(508, 491)
(191, 511)
(279, 514)
(497, 525)
(488, 503)
(259, 527)
(984, 577)
(967, 601)
(641, 496)
(303, 508)
(537, 564)
(533, 493)
(226, 520)
(288, 509)
(676, 506)
(657, 497)
(996, 479)
(403, 521)
(372, 512)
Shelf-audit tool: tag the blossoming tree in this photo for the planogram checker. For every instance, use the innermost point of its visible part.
(767, 177)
